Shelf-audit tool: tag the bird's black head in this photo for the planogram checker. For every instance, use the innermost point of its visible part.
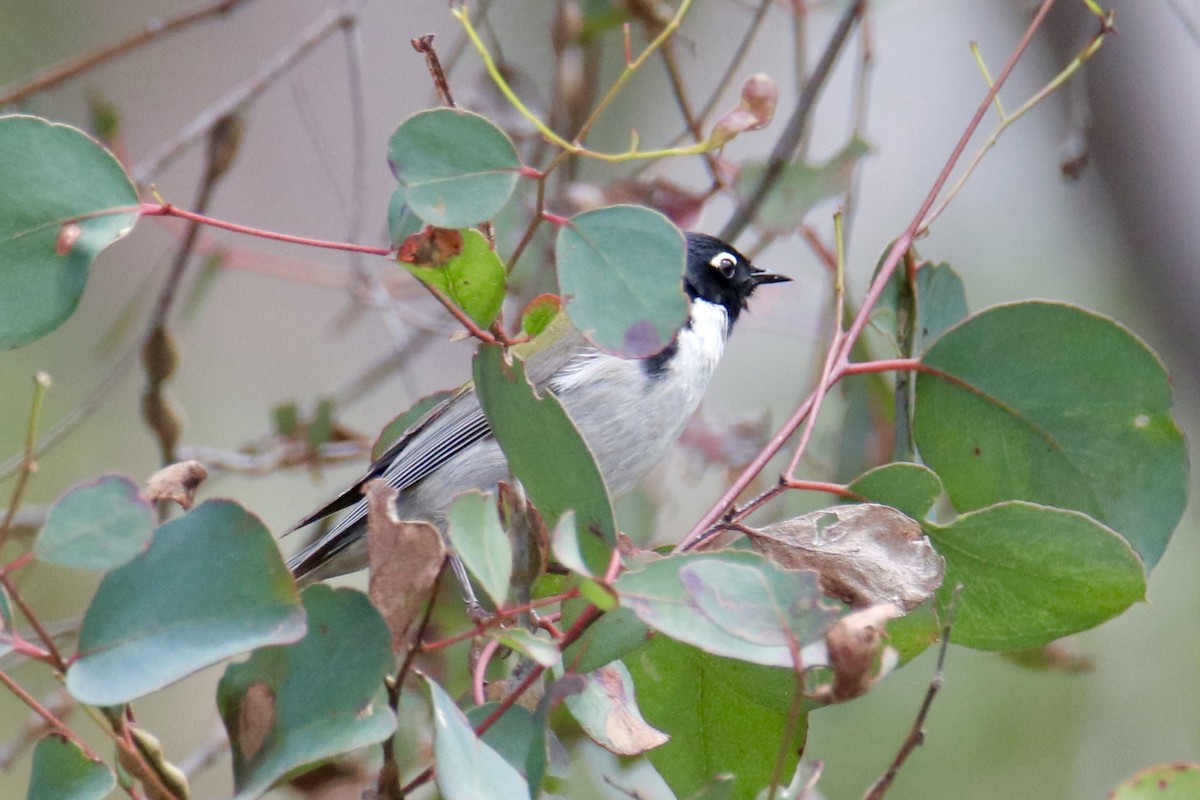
(718, 273)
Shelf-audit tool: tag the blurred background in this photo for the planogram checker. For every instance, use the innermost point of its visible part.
(279, 324)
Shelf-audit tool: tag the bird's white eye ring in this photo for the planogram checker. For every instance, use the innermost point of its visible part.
(724, 263)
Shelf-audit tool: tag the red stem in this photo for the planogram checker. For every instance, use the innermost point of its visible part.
(168, 210)
(841, 363)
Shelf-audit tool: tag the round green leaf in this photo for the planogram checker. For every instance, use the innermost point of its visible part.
(481, 543)
(466, 767)
(1163, 782)
(910, 488)
(473, 279)
(456, 167)
(61, 771)
(52, 176)
(1032, 574)
(735, 604)
(211, 585)
(320, 697)
(1056, 405)
(100, 525)
(620, 272)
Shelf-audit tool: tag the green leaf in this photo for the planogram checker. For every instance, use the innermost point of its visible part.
(481, 543)
(513, 735)
(736, 604)
(211, 585)
(539, 313)
(616, 634)
(1032, 574)
(473, 279)
(1056, 405)
(546, 452)
(402, 222)
(800, 187)
(52, 176)
(723, 716)
(392, 432)
(620, 271)
(99, 525)
(913, 633)
(941, 302)
(1163, 782)
(457, 168)
(909, 488)
(318, 698)
(538, 649)
(61, 771)
(467, 768)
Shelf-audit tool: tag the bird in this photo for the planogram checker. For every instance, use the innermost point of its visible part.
(628, 411)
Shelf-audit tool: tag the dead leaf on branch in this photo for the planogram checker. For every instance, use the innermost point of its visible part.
(853, 643)
(177, 482)
(405, 559)
(864, 554)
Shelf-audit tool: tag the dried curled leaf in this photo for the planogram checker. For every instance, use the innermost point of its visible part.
(405, 559)
(865, 554)
(176, 482)
(759, 98)
(853, 644)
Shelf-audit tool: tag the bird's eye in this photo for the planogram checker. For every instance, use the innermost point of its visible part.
(724, 263)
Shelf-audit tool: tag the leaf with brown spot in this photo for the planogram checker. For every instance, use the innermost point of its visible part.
(865, 554)
(256, 717)
(405, 559)
(430, 247)
(607, 711)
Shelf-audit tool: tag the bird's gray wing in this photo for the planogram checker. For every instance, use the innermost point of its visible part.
(446, 430)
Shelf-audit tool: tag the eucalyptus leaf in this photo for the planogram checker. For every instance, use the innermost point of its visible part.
(1050, 403)
(620, 270)
(211, 585)
(65, 199)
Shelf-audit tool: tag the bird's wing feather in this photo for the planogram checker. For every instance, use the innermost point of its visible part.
(414, 456)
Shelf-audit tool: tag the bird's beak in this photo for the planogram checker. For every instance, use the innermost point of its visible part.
(762, 276)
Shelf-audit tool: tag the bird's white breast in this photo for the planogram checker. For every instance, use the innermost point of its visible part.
(630, 416)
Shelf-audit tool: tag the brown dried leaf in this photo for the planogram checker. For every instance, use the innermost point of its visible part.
(527, 532)
(760, 95)
(625, 730)
(430, 247)
(256, 717)
(865, 554)
(405, 559)
(176, 482)
(853, 643)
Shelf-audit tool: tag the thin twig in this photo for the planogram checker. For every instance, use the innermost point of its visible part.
(28, 465)
(797, 125)
(155, 29)
(916, 735)
(278, 66)
(54, 722)
(899, 247)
